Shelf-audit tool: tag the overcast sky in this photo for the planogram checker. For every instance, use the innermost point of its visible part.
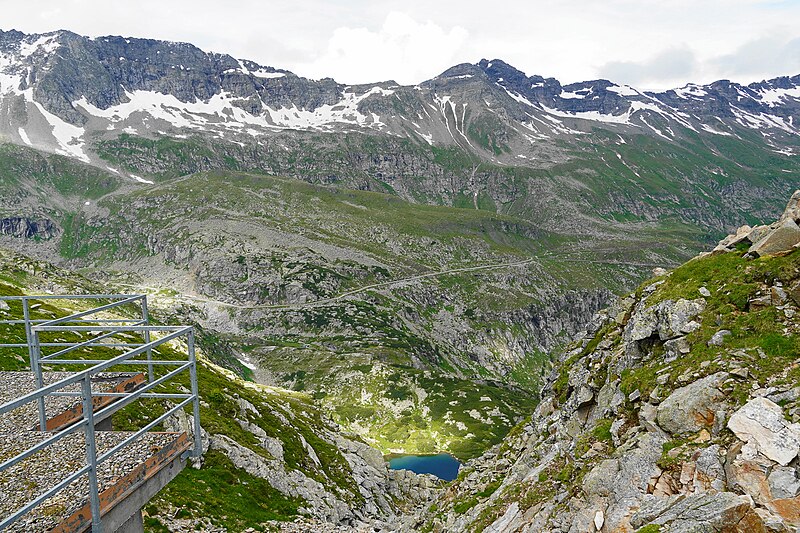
(651, 44)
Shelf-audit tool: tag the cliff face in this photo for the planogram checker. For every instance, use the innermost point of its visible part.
(677, 411)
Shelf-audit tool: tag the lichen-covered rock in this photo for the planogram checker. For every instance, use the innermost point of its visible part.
(723, 512)
(668, 319)
(693, 407)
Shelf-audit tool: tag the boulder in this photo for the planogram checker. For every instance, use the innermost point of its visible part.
(780, 239)
(761, 423)
(719, 337)
(772, 523)
(693, 407)
(747, 473)
(676, 347)
(673, 317)
(709, 472)
(745, 234)
(669, 319)
(784, 482)
(792, 211)
(724, 511)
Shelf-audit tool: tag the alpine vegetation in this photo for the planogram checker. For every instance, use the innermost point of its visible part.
(489, 301)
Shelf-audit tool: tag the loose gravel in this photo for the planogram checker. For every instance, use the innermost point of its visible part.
(17, 384)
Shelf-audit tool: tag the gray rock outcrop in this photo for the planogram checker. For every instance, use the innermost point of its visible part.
(761, 423)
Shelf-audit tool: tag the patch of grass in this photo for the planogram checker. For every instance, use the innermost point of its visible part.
(602, 431)
(226, 496)
(465, 505)
(489, 489)
(649, 528)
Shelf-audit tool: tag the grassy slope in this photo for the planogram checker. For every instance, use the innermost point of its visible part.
(688, 179)
(732, 281)
(35, 176)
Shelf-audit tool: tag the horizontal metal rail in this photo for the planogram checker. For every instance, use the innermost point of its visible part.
(123, 394)
(97, 361)
(84, 320)
(122, 329)
(102, 329)
(62, 344)
(80, 345)
(72, 317)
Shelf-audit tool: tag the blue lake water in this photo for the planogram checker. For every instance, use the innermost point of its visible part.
(443, 465)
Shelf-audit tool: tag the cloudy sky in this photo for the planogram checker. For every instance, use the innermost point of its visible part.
(651, 44)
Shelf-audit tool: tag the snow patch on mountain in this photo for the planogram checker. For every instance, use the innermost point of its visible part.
(220, 110)
(46, 44)
(24, 137)
(691, 91)
(773, 97)
(623, 90)
(596, 116)
(68, 137)
(577, 95)
(709, 129)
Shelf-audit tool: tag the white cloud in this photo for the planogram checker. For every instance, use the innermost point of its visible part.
(403, 49)
(667, 69)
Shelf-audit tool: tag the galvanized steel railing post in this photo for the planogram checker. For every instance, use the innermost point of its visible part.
(91, 454)
(198, 444)
(36, 367)
(26, 315)
(146, 333)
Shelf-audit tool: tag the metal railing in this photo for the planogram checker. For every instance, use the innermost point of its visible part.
(102, 329)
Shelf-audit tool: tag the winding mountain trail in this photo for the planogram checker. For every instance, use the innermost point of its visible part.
(351, 292)
(374, 286)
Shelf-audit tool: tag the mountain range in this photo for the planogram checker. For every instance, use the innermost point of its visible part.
(82, 87)
(484, 134)
(411, 260)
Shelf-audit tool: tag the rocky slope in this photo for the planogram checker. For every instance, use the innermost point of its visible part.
(679, 410)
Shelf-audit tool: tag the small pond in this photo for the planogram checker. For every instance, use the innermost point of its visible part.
(443, 465)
